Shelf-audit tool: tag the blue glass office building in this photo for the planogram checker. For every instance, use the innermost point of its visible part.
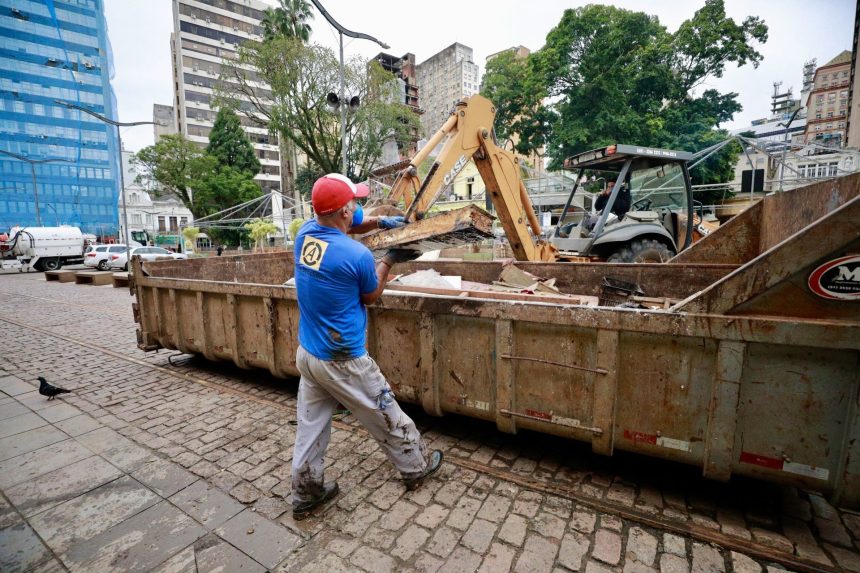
(57, 50)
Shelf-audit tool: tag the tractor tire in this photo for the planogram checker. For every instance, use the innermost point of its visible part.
(642, 251)
(51, 264)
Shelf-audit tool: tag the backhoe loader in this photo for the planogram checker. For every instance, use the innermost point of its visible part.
(649, 233)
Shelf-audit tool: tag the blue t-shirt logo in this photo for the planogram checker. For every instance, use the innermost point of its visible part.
(313, 252)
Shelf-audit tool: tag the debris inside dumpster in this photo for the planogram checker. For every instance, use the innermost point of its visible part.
(431, 282)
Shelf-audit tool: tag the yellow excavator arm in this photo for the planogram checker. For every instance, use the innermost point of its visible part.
(469, 132)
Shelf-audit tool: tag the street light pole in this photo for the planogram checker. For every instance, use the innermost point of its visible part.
(33, 163)
(36, 195)
(342, 110)
(359, 35)
(784, 149)
(118, 125)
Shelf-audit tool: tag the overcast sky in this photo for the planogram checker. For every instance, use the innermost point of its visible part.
(799, 30)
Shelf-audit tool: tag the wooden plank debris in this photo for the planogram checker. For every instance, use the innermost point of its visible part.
(513, 275)
(466, 225)
(497, 295)
(429, 281)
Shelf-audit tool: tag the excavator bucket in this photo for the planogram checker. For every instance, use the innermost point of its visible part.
(450, 228)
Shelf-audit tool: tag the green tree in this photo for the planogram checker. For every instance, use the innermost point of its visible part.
(299, 77)
(617, 76)
(173, 165)
(229, 144)
(221, 188)
(190, 235)
(290, 19)
(517, 91)
(305, 179)
(259, 230)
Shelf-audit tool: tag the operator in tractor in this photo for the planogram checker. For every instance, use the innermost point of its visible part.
(619, 208)
(335, 279)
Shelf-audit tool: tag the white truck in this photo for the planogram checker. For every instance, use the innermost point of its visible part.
(41, 248)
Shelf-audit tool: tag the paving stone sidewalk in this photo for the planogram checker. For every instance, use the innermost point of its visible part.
(79, 496)
(231, 429)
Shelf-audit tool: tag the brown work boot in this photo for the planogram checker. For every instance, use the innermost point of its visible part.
(433, 465)
(303, 509)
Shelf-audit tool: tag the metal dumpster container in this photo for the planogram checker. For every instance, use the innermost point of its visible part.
(755, 372)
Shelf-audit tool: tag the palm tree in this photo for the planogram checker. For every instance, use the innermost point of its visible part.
(290, 19)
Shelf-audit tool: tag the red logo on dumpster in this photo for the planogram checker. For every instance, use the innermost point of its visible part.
(838, 279)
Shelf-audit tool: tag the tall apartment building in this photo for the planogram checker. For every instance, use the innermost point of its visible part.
(827, 103)
(164, 120)
(853, 137)
(403, 69)
(57, 51)
(443, 79)
(205, 32)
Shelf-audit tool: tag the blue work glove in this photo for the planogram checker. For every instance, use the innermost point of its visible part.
(391, 222)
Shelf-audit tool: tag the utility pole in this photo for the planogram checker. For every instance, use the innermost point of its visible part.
(343, 102)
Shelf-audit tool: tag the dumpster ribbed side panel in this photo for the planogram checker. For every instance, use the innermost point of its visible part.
(794, 412)
(664, 389)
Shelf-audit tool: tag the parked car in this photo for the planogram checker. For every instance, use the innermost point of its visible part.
(100, 255)
(120, 261)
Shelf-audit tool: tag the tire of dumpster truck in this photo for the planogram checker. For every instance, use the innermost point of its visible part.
(50, 264)
(642, 251)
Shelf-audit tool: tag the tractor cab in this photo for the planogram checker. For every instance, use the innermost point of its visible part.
(642, 217)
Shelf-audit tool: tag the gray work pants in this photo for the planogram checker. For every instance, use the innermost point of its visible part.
(360, 386)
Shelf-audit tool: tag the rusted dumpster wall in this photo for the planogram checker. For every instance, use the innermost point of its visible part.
(730, 379)
(754, 396)
(770, 221)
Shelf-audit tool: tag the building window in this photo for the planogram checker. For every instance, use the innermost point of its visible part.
(832, 168)
(183, 221)
(161, 226)
(173, 226)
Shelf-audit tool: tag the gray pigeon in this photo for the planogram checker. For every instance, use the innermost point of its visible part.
(50, 391)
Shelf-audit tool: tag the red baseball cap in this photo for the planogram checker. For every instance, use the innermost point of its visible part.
(333, 191)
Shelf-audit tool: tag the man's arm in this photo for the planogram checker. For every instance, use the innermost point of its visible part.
(382, 269)
(372, 223)
(369, 224)
(389, 259)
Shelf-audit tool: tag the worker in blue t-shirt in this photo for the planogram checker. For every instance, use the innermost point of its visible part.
(335, 278)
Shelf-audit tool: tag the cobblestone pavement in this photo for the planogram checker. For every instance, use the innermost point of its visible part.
(522, 503)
